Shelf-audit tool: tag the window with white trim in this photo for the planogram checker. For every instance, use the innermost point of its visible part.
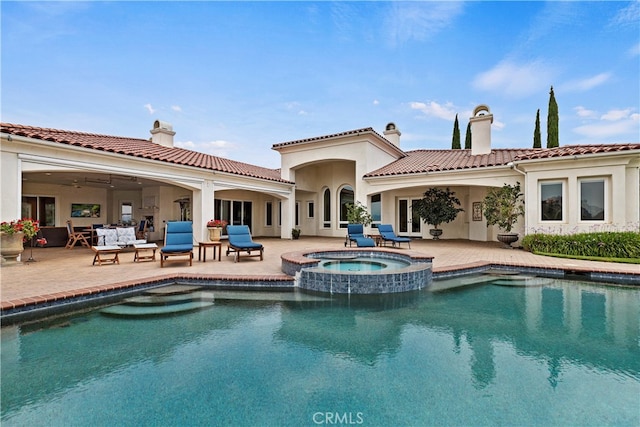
(326, 208)
(592, 199)
(346, 198)
(551, 201)
(268, 209)
(376, 210)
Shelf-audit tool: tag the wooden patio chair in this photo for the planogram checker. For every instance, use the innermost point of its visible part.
(178, 242)
(76, 236)
(240, 242)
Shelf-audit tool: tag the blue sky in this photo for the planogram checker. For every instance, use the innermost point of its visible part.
(234, 78)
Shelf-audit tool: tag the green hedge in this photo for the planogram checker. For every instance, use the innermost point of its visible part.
(625, 244)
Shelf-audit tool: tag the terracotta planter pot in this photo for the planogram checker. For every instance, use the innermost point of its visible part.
(11, 247)
(214, 233)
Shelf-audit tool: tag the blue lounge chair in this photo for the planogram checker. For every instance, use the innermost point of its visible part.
(387, 234)
(178, 242)
(355, 233)
(240, 241)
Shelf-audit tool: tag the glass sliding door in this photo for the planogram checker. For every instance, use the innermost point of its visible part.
(409, 223)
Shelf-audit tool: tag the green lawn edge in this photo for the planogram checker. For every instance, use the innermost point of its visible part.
(592, 258)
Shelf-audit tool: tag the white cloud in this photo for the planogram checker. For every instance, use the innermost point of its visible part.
(517, 80)
(176, 108)
(615, 115)
(585, 84)
(149, 108)
(583, 112)
(629, 15)
(189, 145)
(634, 50)
(218, 148)
(498, 125)
(302, 113)
(613, 123)
(433, 109)
(376, 102)
(607, 130)
(419, 20)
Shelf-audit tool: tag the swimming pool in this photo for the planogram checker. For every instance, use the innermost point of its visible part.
(546, 353)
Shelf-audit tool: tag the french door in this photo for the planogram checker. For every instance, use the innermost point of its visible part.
(409, 223)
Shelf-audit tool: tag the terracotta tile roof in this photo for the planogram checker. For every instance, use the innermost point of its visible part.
(576, 150)
(422, 161)
(335, 135)
(144, 149)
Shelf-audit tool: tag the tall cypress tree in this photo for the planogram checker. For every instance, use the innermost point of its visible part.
(455, 141)
(467, 138)
(552, 122)
(537, 139)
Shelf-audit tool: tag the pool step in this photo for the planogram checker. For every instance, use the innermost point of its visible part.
(460, 282)
(162, 301)
(123, 310)
(522, 281)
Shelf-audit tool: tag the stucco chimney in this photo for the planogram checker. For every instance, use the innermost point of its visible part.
(162, 133)
(392, 134)
(481, 130)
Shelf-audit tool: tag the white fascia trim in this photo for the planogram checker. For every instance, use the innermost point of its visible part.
(438, 173)
(98, 167)
(235, 185)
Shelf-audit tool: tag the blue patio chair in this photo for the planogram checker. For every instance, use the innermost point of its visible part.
(355, 233)
(178, 242)
(240, 241)
(141, 231)
(387, 235)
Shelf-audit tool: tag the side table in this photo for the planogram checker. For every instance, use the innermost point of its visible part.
(143, 247)
(202, 250)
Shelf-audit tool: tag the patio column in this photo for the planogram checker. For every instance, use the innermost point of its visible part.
(11, 187)
(202, 209)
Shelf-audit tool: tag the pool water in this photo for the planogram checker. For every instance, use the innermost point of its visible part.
(562, 353)
(362, 265)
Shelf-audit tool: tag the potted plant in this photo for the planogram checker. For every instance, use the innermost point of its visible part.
(436, 207)
(503, 206)
(215, 227)
(357, 214)
(13, 235)
(295, 233)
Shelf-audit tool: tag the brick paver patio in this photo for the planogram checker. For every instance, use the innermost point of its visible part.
(58, 271)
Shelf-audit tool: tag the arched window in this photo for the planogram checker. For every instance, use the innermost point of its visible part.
(326, 208)
(346, 197)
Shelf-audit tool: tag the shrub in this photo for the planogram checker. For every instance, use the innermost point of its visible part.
(625, 244)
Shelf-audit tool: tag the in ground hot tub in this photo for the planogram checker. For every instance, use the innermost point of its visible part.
(359, 271)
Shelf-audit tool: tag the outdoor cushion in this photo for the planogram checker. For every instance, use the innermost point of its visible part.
(355, 233)
(240, 241)
(127, 236)
(386, 232)
(365, 242)
(177, 248)
(107, 236)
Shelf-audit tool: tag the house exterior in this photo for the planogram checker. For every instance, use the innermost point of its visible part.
(53, 175)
